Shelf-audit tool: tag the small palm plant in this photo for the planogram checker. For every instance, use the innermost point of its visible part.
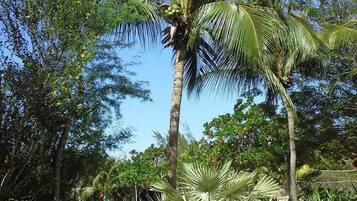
(104, 185)
(202, 183)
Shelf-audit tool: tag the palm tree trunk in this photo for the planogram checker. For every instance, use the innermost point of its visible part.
(175, 115)
(292, 172)
(58, 163)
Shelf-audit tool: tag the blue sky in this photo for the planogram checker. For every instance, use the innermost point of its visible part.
(156, 68)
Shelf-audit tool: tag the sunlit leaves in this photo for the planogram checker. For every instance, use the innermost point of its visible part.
(340, 36)
(204, 183)
(244, 31)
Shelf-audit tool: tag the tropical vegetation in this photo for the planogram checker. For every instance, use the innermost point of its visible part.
(63, 81)
(206, 183)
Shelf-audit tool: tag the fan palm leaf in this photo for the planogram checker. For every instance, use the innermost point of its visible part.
(265, 187)
(202, 183)
(169, 193)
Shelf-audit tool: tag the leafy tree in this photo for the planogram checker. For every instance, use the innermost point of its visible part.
(337, 83)
(252, 137)
(58, 85)
(328, 117)
(126, 179)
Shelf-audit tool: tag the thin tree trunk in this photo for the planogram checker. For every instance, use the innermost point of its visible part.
(4, 178)
(136, 193)
(292, 172)
(175, 115)
(101, 196)
(58, 163)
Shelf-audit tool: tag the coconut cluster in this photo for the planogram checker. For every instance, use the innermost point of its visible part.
(173, 11)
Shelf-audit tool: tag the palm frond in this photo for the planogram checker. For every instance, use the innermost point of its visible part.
(239, 187)
(265, 187)
(302, 36)
(100, 180)
(300, 42)
(243, 31)
(208, 183)
(339, 36)
(146, 25)
(226, 80)
(275, 87)
(244, 39)
(200, 181)
(161, 139)
(169, 193)
(199, 58)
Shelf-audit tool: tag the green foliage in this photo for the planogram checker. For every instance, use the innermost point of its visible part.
(253, 137)
(329, 126)
(199, 182)
(320, 194)
(57, 71)
(122, 179)
(58, 74)
(145, 167)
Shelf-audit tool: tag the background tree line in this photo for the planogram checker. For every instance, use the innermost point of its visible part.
(61, 80)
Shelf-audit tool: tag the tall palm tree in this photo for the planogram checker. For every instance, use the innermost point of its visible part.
(295, 47)
(298, 51)
(197, 31)
(202, 183)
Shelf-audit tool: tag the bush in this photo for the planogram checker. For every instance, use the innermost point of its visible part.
(323, 194)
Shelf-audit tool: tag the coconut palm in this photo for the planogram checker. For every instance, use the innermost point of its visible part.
(202, 183)
(197, 31)
(298, 51)
(296, 48)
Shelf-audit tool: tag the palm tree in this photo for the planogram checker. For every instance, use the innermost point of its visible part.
(296, 47)
(202, 183)
(104, 184)
(197, 32)
(298, 50)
